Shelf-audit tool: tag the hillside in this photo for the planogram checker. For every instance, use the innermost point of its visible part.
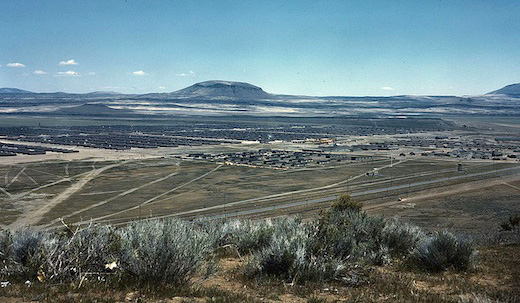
(512, 90)
(342, 255)
(10, 90)
(223, 89)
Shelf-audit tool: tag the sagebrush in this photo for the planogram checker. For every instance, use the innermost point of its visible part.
(335, 245)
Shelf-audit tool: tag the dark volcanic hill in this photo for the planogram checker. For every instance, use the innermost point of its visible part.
(512, 90)
(223, 89)
(9, 90)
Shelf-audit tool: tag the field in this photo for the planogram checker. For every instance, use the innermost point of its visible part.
(117, 191)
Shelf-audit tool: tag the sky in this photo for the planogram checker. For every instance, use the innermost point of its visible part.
(320, 48)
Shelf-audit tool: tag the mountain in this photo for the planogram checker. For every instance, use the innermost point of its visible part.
(223, 89)
(239, 98)
(512, 89)
(103, 93)
(9, 90)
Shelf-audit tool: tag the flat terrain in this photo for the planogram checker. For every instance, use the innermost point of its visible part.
(456, 188)
(116, 191)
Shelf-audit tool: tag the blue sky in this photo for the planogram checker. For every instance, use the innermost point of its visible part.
(293, 47)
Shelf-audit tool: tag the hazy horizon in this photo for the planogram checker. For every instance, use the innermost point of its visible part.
(337, 48)
(324, 95)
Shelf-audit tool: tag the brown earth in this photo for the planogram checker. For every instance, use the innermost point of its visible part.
(496, 277)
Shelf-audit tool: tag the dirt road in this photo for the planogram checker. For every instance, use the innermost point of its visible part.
(152, 200)
(234, 213)
(34, 216)
(127, 192)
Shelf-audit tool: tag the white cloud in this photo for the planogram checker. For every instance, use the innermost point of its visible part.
(387, 88)
(15, 64)
(40, 72)
(69, 73)
(162, 87)
(190, 73)
(91, 73)
(139, 73)
(68, 62)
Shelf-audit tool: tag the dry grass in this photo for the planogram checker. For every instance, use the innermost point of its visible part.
(495, 279)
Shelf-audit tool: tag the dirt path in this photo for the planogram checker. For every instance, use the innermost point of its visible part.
(44, 172)
(16, 177)
(127, 192)
(226, 205)
(64, 179)
(33, 217)
(5, 192)
(100, 193)
(30, 178)
(452, 190)
(510, 185)
(152, 200)
(21, 195)
(298, 191)
(6, 176)
(355, 194)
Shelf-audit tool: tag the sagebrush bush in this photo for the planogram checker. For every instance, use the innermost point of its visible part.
(333, 246)
(246, 235)
(366, 228)
(291, 255)
(444, 250)
(85, 252)
(379, 255)
(401, 238)
(286, 247)
(29, 253)
(6, 243)
(163, 251)
(350, 234)
(333, 236)
(25, 244)
(319, 269)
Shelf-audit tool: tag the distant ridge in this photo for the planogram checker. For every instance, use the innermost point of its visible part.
(92, 110)
(9, 90)
(223, 89)
(103, 93)
(227, 98)
(512, 89)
